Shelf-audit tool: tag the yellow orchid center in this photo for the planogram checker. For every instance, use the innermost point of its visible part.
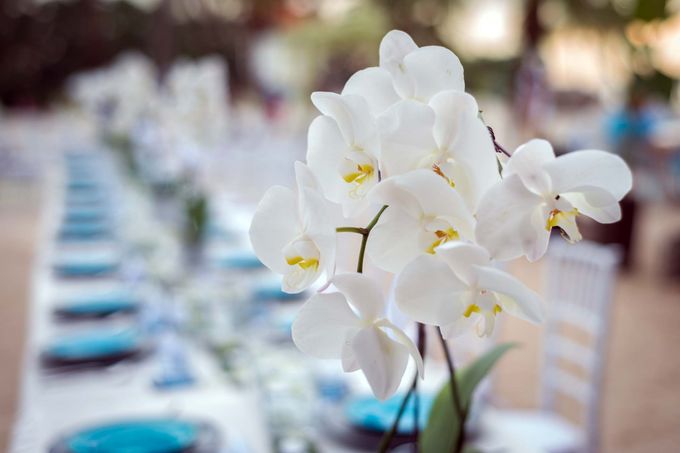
(474, 308)
(442, 237)
(364, 172)
(304, 263)
(437, 169)
(566, 221)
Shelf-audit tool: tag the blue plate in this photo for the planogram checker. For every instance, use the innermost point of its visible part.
(85, 198)
(76, 184)
(77, 268)
(150, 436)
(97, 345)
(162, 435)
(243, 260)
(76, 214)
(84, 230)
(98, 305)
(374, 415)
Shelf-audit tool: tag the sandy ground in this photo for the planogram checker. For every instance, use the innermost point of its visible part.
(641, 401)
(19, 214)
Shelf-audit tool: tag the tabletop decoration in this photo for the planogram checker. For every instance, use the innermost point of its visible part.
(404, 142)
(142, 434)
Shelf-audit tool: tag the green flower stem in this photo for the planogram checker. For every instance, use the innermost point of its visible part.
(387, 438)
(356, 230)
(362, 250)
(375, 219)
(457, 403)
(416, 406)
(364, 232)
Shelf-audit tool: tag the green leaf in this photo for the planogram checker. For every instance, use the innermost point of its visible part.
(443, 425)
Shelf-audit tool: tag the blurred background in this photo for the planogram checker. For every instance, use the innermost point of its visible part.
(136, 137)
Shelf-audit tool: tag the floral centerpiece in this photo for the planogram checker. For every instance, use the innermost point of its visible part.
(405, 141)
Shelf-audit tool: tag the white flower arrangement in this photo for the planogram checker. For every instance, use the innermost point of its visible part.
(405, 140)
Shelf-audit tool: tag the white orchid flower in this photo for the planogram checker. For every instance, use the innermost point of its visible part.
(446, 134)
(458, 288)
(419, 72)
(293, 234)
(350, 325)
(406, 71)
(424, 212)
(539, 192)
(343, 149)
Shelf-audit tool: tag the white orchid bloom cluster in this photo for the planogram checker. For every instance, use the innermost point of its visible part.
(118, 95)
(194, 101)
(403, 140)
(184, 122)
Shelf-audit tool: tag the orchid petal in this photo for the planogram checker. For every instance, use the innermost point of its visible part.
(431, 69)
(319, 218)
(353, 117)
(573, 172)
(528, 163)
(382, 360)
(274, 225)
(506, 219)
(520, 301)
(362, 293)
(326, 154)
(594, 205)
(427, 291)
(325, 151)
(436, 197)
(461, 257)
(407, 140)
(400, 337)
(424, 193)
(374, 85)
(394, 240)
(304, 177)
(323, 325)
(394, 47)
(463, 323)
(348, 360)
(451, 107)
(459, 130)
(536, 247)
(388, 192)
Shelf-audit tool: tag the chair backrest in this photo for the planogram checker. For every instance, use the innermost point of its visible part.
(580, 284)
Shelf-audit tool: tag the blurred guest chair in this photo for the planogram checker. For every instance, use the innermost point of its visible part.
(580, 283)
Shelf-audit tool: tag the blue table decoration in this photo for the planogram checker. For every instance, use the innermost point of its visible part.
(241, 260)
(85, 268)
(367, 412)
(152, 435)
(272, 291)
(84, 230)
(97, 347)
(98, 305)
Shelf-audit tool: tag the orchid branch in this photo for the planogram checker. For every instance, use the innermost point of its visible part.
(364, 232)
(416, 406)
(364, 239)
(357, 230)
(387, 438)
(496, 145)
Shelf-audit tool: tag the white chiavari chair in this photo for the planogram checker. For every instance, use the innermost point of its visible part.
(579, 292)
